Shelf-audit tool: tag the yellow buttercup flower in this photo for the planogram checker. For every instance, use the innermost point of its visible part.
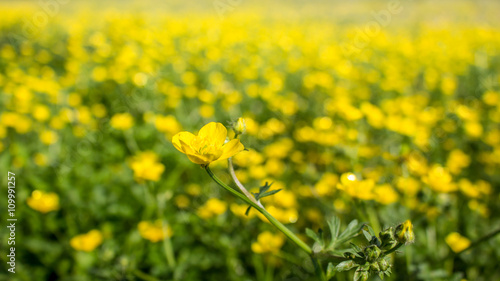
(154, 231)
(146, 166)
(208, 146)
(122, 121)
(43, 202)
(86, 242)
(268, 243)
(213, 207)
(457, 242)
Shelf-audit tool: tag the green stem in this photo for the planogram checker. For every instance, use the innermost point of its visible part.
(318, 269)
(167, 246)
(480, 240)
(271, 219)
(144, 276)
(393, 249)
(167, 242)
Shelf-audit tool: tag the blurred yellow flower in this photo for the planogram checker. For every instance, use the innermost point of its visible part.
(385, 194)
(154, 231)
(182, 201)
(457, 242)
(40, 159)
(87, 242)
(440, 180)
(122, 121)
(240, 127)
(473, 129)
(146, 166)
(41, 112)
(208, 145)
(43, 202)
(362, 189)
(457, 160)
(99, 110)
(167, 124)
(268, 243)
(213, 207)
(48, 137)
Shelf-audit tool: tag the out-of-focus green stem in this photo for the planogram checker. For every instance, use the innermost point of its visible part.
(271, 219)
(393, 249)
(318, 269)
(480, 240)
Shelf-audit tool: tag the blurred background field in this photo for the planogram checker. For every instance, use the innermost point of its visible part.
(403, 96)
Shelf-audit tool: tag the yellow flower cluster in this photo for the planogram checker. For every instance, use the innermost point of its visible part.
(154, 231)
(268, 243)
(43, 202)
(146, 166)
(213, 207)
(87, 242)
(367, 189)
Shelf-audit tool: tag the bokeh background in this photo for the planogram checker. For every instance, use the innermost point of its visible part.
(404, 95)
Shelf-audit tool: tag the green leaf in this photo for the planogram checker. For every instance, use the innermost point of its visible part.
(357, 251)
(367, 235)
(370, 229)
(330, 271)
(357, 275)
(334, 225)
(263, 191)
(310, 233)
(270, 193)
(350, 232)
(346, 265)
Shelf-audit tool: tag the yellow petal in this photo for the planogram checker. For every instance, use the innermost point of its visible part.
(198, 159)
(215, 132)
(231, 148)
(182, 139)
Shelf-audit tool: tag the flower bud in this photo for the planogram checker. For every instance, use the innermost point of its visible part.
(360, 275)
(383, 264)
(372, 253)
(388, 239)
(240, 126)
(375, 267)
(404, 233)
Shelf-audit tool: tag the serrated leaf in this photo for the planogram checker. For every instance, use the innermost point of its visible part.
(356, 247)
(269, 193)
(263, 191)
(350, 232)
(381, 275)
(334, 225)
(265, 187)
(368, 236)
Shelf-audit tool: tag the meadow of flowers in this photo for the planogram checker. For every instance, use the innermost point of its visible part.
(348, 120)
